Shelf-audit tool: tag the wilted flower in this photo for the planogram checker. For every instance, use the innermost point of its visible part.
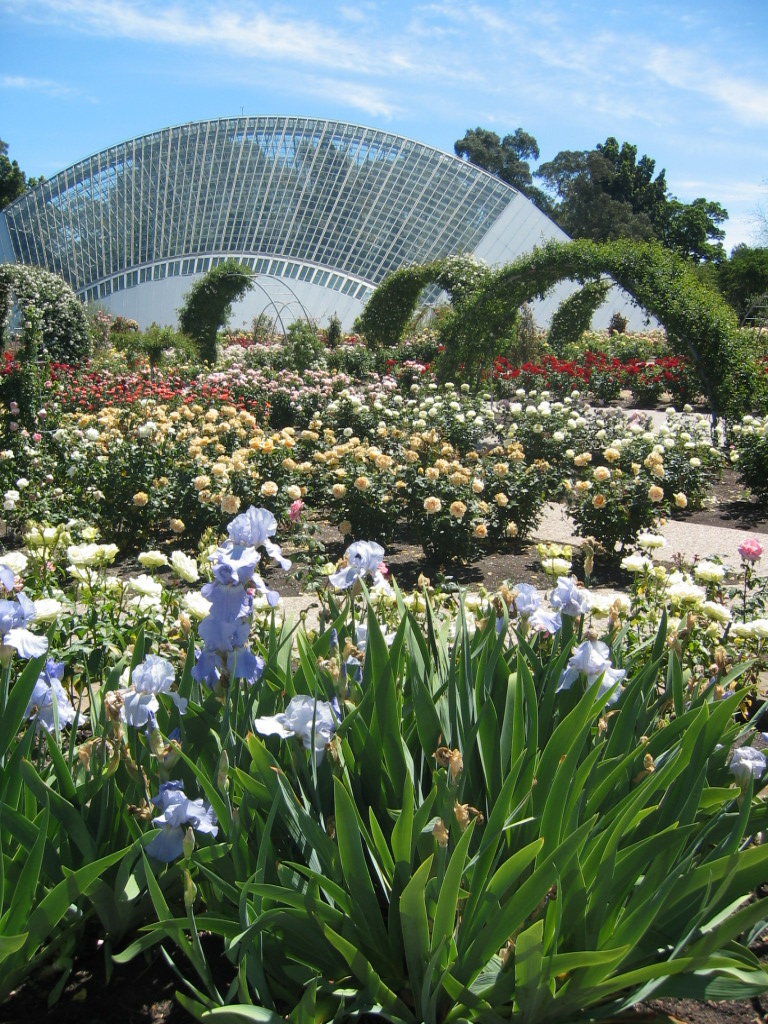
(441, 834)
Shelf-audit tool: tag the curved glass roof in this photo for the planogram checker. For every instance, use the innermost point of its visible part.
(324, 194)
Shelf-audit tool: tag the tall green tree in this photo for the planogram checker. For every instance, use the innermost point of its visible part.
(13, 181)
(609, 193)
(507, 158)
(744, 278)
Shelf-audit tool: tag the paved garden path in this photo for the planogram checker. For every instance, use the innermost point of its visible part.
(689, 539)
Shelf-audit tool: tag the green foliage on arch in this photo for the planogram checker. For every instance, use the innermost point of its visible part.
(574, 315)
(482, 323)
(47, 301)
(208, 303)
(390, 308)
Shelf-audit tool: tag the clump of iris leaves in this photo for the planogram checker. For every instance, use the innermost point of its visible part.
(429, 824)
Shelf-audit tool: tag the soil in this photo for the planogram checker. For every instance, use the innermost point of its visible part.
(142, 992)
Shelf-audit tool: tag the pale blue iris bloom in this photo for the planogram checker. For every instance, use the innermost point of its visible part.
(177, 810)
(309, 720)
(570, 599)
(153, 676)
(225, 629)
(362, 557)
(14, 635)
(47, 694)
(592, 659)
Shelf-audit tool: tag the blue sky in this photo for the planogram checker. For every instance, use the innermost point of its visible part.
(687, 82)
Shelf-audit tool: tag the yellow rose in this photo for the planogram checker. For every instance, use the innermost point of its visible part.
(655, 493)
(432, 505)
(140, 499)
(269, 489)
(230, 504)
(601, 474)
(681, 500)
(598, 501)
(362, 483)
(458, 509)
(481, 531)
(338, 491)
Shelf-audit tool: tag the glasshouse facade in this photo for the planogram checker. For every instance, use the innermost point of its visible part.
(320, 210)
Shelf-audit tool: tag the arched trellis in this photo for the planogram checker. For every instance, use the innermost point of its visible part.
(48, 301)
(392, 305)
(698, 322)
(272, 301)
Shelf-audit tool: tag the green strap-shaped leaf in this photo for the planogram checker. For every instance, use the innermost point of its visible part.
(57, 902)
(415, 926)
(532, 994)
(402, 831)
(16, 705)
(62, 810)
(447, 910)
(23, 897)
(368, 977)
(367, 913)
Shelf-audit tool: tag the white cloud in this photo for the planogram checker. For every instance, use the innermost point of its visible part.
(747, 100)
(244, 32)
(45, 85)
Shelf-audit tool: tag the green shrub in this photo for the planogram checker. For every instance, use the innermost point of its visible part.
(59, 316)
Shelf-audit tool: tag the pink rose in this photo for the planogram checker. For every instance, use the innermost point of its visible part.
(295, 510)
(751, 549)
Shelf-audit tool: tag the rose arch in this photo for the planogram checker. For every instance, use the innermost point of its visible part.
(480, 325)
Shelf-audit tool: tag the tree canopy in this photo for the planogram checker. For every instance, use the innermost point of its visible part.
(744, 278)
(13, 181)
(602, 193)
(507, 158)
